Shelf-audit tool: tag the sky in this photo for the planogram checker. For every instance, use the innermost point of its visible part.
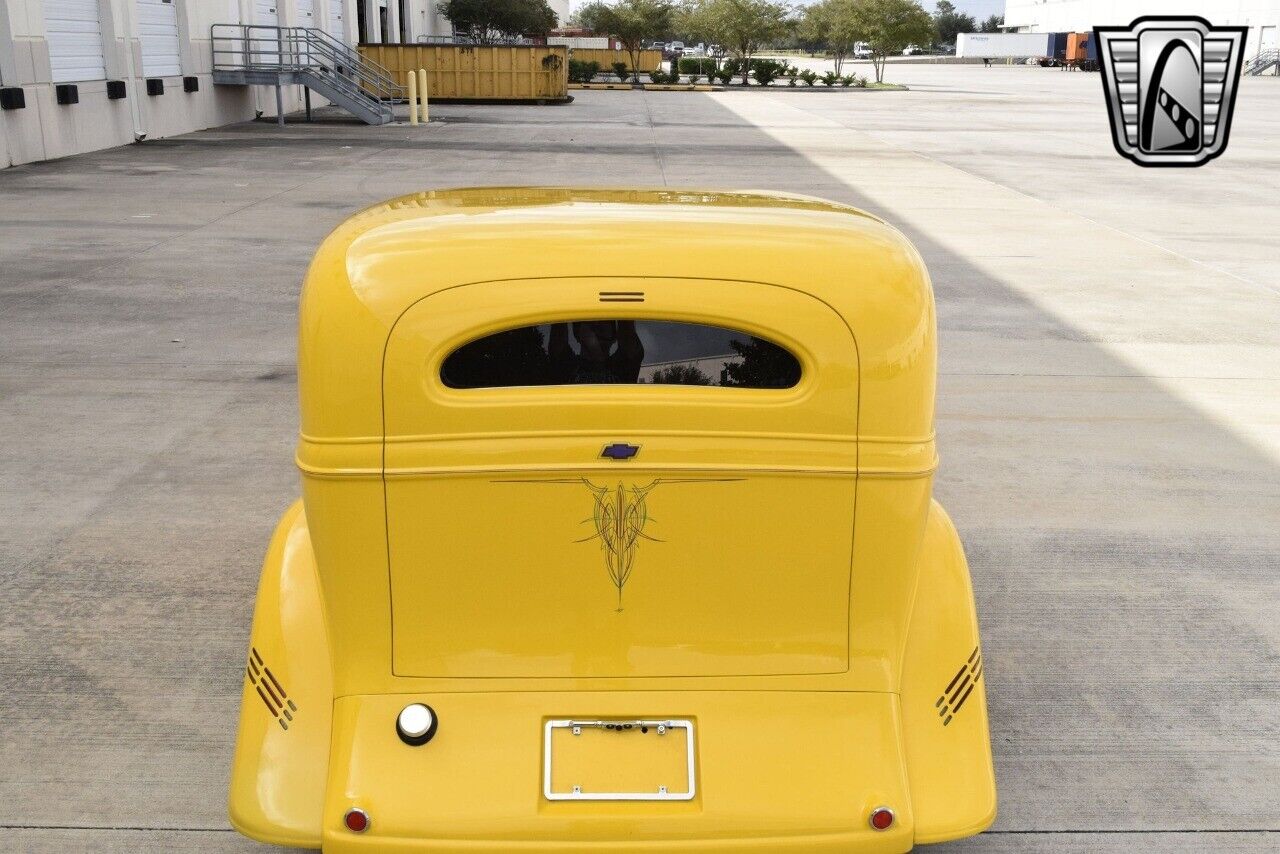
(980, 9)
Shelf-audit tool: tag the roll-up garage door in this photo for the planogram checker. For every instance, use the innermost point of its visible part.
(265, 13)
(306, 13)
(74, 34)
(337, 26)
(264, 40)
(158, 32)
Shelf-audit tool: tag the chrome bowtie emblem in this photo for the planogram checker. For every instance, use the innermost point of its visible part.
(1171, 87)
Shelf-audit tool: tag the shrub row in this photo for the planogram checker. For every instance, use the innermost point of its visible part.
(582, 72)
(764, 71)
(703, 66)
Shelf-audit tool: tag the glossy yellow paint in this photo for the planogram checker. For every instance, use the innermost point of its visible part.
(953, 783)
(801, 598)
(282, 754)
(784, 771)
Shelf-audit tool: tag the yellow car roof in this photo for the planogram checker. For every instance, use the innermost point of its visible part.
(388, 257)
(487, 199)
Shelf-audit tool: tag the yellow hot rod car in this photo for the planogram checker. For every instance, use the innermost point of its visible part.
(616, 534)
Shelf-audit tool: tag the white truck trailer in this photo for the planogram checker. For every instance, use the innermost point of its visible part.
(1005, 45)
(584, 42)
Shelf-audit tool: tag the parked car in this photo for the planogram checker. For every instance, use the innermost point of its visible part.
(912, 50)
(862, 50)
(616, 532)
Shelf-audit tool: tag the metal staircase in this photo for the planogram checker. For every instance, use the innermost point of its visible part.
(249, 54)
(1263, 62)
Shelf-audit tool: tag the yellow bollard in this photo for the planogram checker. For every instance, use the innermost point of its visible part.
(422, 87)
(413, 98)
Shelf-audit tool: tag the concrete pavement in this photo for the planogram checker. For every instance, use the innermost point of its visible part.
(1109, 424)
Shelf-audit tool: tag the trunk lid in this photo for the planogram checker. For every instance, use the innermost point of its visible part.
(720, 546)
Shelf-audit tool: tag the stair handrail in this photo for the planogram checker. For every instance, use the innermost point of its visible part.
(350, 63)
(241, 47)
(1264, 60)
(262, 47)
(342, 48)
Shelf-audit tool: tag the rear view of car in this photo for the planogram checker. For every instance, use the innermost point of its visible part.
(616, 532)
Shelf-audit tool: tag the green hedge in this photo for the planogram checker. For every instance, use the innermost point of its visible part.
(764, 70)
(701, 65)
(582, 72)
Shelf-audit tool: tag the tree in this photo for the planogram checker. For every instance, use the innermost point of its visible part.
(594, 17)
(680, 374)
(740, 26)
(493, 21)
(891, 25)
(992, 24)
(761, 364)
(834, 24)
(811, 29)
(949, 23)
(632, 22)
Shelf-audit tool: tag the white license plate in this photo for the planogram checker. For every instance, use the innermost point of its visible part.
(618, 760)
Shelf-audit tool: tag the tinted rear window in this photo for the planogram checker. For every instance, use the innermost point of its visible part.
(620, 352)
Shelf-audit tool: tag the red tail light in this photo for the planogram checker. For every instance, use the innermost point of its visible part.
(881, 818)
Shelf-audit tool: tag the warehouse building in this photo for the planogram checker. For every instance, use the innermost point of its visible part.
(1262, 17)
(82, 75)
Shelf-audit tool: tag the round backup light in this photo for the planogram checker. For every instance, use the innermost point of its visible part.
(416, 724)
(356, 820)
(881, 818)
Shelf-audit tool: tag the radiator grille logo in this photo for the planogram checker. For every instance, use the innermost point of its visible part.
(1171, 88)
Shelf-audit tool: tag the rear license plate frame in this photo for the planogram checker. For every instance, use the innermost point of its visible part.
(661, 726)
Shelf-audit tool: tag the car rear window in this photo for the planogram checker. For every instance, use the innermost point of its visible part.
(620, 352)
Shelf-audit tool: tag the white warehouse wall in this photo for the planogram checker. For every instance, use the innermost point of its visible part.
(408, 21)
(45, 129)
(1080, 15)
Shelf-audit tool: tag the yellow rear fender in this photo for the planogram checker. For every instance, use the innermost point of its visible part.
(286, 708)
(944, 705)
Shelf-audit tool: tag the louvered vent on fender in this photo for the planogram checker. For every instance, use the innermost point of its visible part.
(270, 690)
(962, 685)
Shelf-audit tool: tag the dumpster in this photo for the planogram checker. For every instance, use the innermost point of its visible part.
(480, 72)
(650, 60)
